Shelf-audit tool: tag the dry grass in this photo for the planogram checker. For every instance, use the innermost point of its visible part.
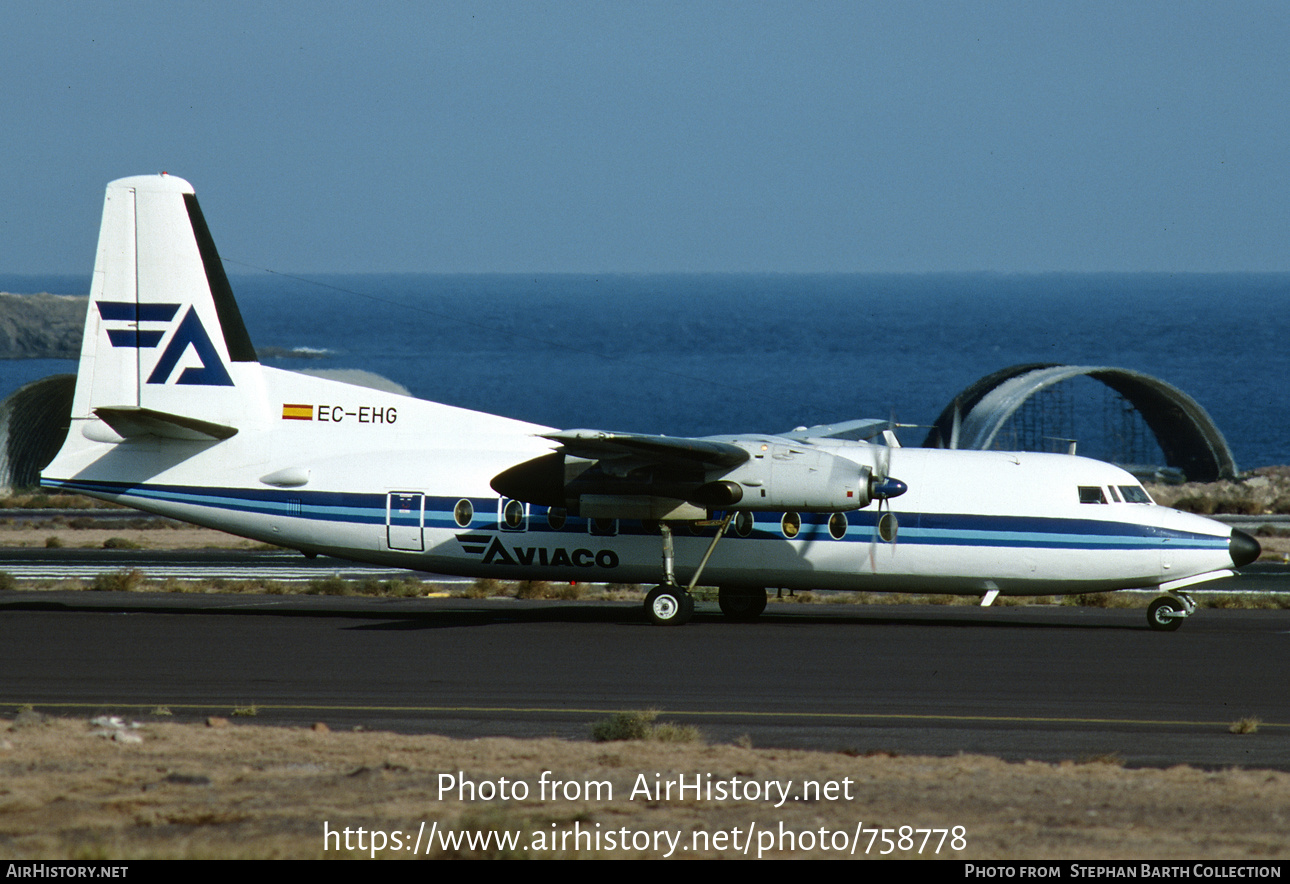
(542, 589)
(119, 581)
(1245, 601)
(641, 726)
(1100, 600)
(486, 588)
(1245, 726)
(38, 500)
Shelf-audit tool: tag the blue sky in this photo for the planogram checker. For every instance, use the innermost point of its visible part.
(658, 136)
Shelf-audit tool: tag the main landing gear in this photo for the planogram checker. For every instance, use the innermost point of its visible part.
(670, 604)
(742, 604)
(674, 606)
(1169, 611)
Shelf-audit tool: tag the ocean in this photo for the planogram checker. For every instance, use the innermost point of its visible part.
(699, 354)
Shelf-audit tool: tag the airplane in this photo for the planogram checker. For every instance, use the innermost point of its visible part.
(174, 415)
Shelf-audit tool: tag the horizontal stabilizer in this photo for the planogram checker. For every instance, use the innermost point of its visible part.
(131, 422)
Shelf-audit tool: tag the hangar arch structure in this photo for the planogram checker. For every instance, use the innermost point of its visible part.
(33, 425)
(1186, 434)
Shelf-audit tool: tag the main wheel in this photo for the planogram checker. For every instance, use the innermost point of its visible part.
(742, 604)
(669, 606)
(1162, 615)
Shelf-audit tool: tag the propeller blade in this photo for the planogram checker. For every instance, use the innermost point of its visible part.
(873, 541)
(882, 487)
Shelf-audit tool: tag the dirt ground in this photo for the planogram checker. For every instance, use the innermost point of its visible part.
(72, 789)
(158, 536)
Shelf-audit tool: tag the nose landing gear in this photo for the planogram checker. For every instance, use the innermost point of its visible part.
(1168, 612)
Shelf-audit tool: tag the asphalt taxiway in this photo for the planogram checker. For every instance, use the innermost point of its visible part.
(1043, 682)
(280, 565)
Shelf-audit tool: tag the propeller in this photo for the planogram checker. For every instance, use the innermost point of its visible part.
(882, 487)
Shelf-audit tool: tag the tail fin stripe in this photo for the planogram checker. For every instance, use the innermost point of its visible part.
(236, 339)
(129, 311)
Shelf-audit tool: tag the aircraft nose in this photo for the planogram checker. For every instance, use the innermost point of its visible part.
(1243, 548)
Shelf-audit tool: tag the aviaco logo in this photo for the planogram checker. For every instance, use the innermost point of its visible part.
(190, 332)
(497, 554)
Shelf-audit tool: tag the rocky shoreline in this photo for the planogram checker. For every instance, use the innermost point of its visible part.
(41, 326)
(1260, 492)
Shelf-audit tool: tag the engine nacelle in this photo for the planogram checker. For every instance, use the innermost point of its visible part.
(783, 477)
(772, 475)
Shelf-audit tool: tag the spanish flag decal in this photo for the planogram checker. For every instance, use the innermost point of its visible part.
(297, 412)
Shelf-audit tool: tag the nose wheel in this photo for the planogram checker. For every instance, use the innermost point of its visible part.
(1168, 612)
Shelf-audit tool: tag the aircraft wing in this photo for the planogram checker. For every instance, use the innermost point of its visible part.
(631, 475)
(661, 450)
(857, 430)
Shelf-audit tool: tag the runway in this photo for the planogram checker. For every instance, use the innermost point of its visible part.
(1048, 682)
(285, 566)
(33, 563)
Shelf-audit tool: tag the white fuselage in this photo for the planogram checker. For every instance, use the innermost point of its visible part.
(174, 414)
(377, 477)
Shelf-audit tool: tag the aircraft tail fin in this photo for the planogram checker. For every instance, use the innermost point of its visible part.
(165, 349)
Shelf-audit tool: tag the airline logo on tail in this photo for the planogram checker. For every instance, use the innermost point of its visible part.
(132, 333)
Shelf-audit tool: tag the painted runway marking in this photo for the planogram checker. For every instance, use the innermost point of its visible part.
(564, 710)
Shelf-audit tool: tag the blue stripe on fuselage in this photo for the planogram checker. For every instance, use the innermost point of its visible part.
(931, 529)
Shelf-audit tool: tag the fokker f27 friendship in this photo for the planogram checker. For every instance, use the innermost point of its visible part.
(173, 414)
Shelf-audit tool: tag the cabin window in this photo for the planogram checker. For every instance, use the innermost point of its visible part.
(513, 516)
(556, 516)
(791, 525)
(1091, 494)
(888, 525)
(837, 526)
(463, 512)
(603, 527)
(744, 523)
(1135, 494)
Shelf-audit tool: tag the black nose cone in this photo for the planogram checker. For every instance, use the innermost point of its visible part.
(1244, 548)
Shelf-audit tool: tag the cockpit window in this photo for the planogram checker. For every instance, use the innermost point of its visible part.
(1091, 494)
(1135, 494)
(1115, 495)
